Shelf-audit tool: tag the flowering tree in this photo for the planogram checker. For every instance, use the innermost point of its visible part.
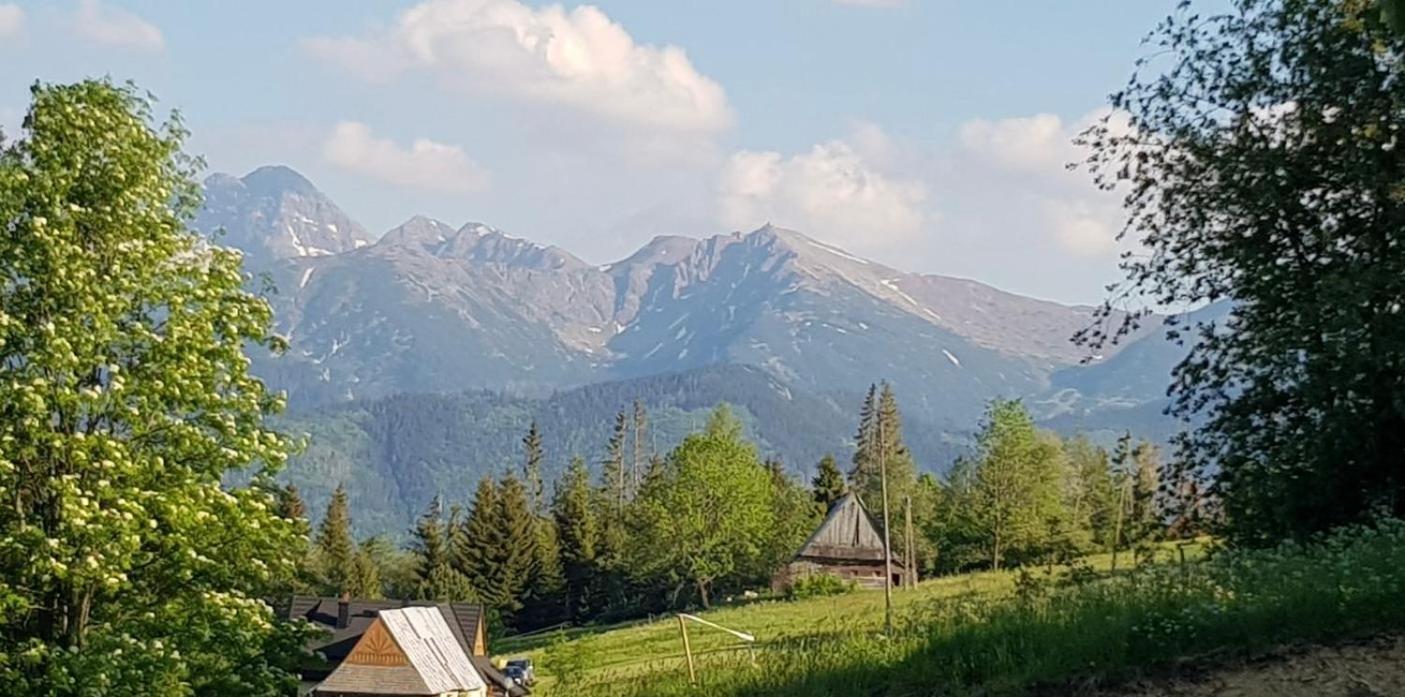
(125, 398)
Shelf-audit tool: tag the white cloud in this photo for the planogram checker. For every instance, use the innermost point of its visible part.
(578, 58)
(426, 164)
(11, 20)
(831, 193)
(112, 26)
(1036, 143)
(1024, 161)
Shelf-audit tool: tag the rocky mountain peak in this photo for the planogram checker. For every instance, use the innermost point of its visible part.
(274, 213)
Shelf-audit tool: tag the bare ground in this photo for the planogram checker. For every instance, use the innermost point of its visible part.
(1372, 667)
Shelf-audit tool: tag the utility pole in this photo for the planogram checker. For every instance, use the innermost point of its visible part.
(887, 539)
(910, 545)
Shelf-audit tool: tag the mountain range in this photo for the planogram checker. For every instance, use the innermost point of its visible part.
(431, 308)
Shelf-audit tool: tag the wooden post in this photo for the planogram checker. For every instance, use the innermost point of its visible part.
(911, 547)
(688, 651)
(887, 538)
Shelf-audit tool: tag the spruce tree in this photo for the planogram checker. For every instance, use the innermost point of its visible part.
(437, 579)
(336, 549)
(828, 484)
(612, 470)
(532, 470)
(515, 546)
(866, 440)
(290, 503)
(474, 554)
(364, 579)
(579, 535)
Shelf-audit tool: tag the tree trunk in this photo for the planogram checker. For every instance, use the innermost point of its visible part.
(702, 593)
(995, 551)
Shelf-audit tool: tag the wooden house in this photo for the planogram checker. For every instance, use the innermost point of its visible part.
(344, 621)
(848, 544)
(406, 651)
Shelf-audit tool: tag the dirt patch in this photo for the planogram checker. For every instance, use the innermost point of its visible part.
(1372, 667)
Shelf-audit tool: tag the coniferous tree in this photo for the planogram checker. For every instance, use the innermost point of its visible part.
(290, 503)
(532, 470)
(881, 450)
(436, 577)
(336, 549)
(544, 598)
(828, 484)
(579, 534)
(364, 577)
(474, 552)
(612, 472)
(610, 590)
(515, 544)
(865, 441)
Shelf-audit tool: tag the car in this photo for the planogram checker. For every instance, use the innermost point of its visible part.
(515, 674)
(524, 667)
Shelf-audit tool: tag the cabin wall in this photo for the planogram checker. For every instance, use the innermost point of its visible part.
(864, 574)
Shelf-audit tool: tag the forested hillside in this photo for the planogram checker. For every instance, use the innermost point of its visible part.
(394, 455)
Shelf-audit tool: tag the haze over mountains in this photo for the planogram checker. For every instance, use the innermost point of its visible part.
(432, 307)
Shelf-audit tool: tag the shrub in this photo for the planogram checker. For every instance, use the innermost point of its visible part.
(818, 585)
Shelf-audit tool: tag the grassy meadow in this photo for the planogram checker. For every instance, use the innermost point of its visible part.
(1004, 632)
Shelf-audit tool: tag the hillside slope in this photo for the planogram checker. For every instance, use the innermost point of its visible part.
(397, 453)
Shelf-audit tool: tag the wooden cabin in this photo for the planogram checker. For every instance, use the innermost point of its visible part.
(848, 544)
(406, 651)
(344, 621)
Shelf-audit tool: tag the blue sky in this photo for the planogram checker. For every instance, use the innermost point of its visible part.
(928, 134)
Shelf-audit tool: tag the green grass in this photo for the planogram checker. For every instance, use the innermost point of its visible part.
(634, 658)
(987, 634)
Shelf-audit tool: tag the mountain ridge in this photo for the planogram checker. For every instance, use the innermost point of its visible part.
(431, 307)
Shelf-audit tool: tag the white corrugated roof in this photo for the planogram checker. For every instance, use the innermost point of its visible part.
(430, 645)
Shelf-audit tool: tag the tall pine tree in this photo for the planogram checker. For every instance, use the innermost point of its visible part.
(579, 536)
(532, 469)
(515, 543)
(437, 579)
(866, 441)
(336, 550)
(473, 552)
(613, 477)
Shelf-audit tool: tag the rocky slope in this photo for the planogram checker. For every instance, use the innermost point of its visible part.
(431, 307)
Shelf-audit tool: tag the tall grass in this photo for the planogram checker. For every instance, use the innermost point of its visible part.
(1349, 583)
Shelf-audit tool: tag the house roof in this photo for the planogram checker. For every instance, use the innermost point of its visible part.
(847, 534)
(406, 651)
(335, 642)
(464, 619)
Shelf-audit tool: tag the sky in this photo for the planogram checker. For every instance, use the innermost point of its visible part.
(931, 135)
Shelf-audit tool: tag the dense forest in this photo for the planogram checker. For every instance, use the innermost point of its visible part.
(394, 455)
(646, 531)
